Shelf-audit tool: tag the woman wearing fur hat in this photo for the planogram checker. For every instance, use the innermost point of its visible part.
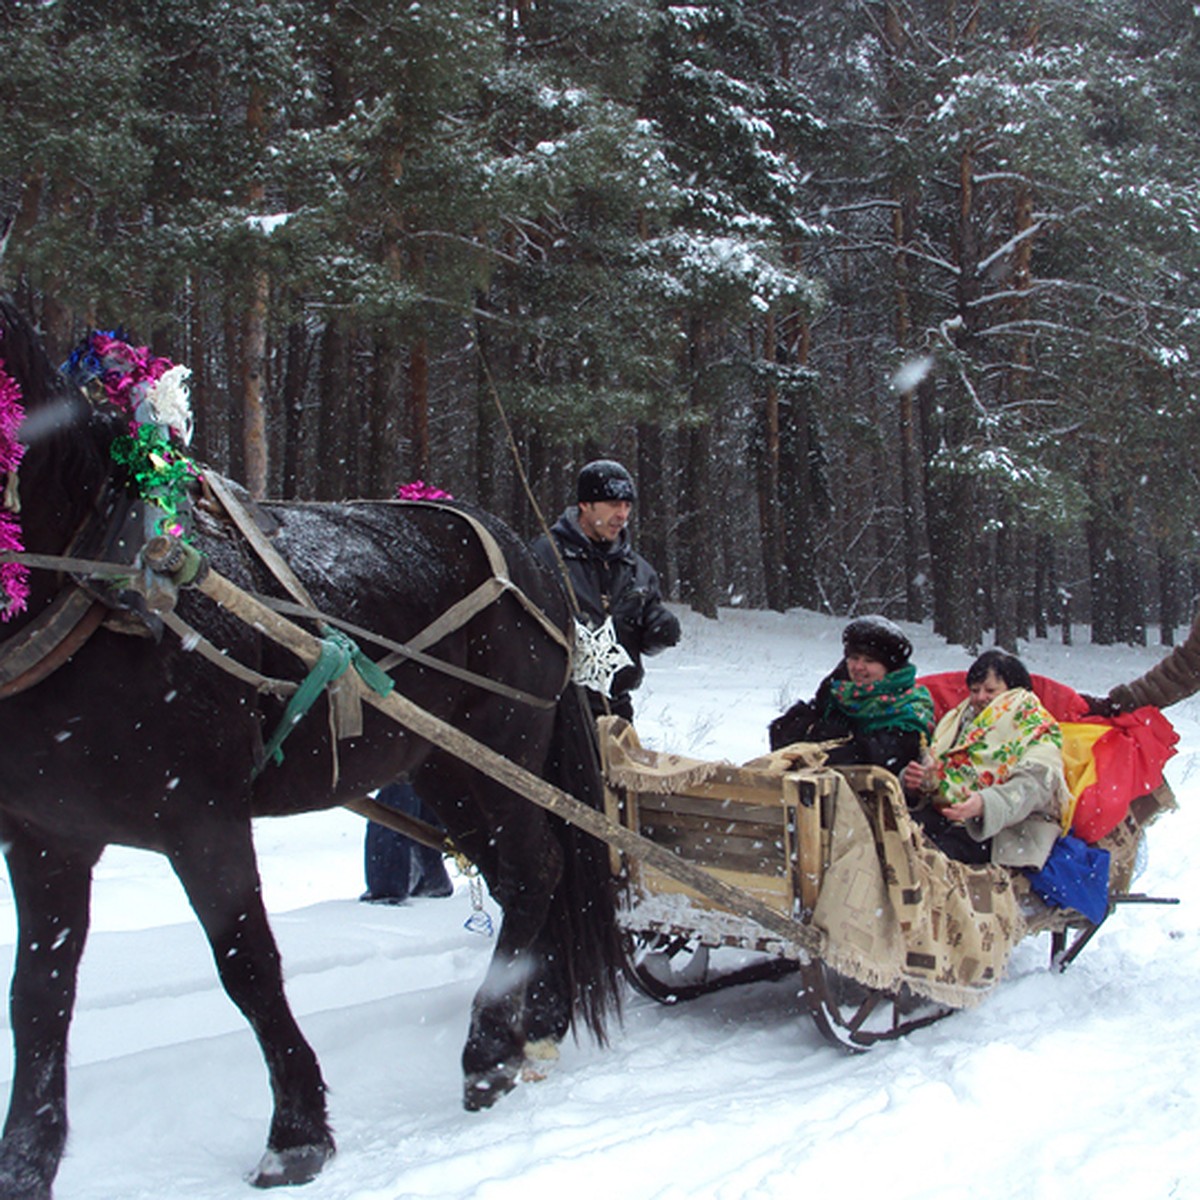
(871, 700)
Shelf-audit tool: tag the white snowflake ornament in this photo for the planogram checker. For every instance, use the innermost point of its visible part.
(598, 656)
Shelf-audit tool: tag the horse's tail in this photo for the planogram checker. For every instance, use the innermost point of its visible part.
(585, 904)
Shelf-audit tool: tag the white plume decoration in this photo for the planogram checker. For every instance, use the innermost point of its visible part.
(170, 403)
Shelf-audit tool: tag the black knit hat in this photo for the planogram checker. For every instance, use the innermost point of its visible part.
(605, 479)
(882, 639)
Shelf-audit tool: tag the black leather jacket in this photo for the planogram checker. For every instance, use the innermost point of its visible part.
(611, 579)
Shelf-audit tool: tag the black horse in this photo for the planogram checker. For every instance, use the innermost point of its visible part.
(140, 741)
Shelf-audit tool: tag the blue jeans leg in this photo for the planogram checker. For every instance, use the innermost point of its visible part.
(396, 867)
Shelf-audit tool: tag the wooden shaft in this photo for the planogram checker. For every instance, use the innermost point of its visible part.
(398, 822)
(516, 778)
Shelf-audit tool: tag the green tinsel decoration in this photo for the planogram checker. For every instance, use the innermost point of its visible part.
(159, 472)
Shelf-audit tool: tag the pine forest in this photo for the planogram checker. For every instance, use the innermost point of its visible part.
(889, 305)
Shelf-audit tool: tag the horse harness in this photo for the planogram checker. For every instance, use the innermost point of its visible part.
(115, 534)
(112, 531)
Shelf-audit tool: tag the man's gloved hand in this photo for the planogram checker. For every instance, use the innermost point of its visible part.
(1101, 706)
(661, 629)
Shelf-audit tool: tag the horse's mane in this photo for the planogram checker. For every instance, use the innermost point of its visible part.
(67, 438)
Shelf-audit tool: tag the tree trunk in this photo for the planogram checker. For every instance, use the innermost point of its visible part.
(653, 507)
(1006, 579)
(1102, 559)
(330, 469)
(697, 540)
(254, 403)
(254, 327)
(293, 408)
(382, 469)
(767, 474)
(1043, 584)
(234, 447)
(1170, 612)
(418, 407)
(697, 543)
(799, 475)
(200, 385)
(904, 200)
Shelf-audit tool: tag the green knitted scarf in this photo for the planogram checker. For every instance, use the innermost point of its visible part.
(894, 702)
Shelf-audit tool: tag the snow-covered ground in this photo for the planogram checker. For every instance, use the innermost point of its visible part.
(1058, 1087)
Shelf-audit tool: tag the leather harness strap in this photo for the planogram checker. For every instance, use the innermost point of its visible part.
(345, 705)
(194, 640)
(239, 515)
(47, 642)
(74, 615)
(59, 630)
(402, 652)
(496, 585)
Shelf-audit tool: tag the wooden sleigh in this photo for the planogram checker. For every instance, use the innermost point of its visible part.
(780, 836)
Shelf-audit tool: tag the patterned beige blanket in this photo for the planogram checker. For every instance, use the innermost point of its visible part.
(898, 913)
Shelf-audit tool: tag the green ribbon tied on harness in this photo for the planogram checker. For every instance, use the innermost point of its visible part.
(338, 654)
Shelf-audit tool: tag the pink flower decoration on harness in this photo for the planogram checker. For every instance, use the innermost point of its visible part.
(418, 489)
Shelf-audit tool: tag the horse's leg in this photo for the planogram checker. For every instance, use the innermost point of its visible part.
(523, 865)
(220, 875)
(548, 1004)
(52, 890)
(495, 1050)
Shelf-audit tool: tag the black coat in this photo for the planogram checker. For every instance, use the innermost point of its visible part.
(820, 720)
(611, 579)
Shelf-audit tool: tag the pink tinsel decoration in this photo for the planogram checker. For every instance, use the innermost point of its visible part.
(129, 372)
(420, 490)
(14, 578)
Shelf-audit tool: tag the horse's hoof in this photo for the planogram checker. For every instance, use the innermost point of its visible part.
(288, 1168)
(543, 1050)
(482, 1089)
(540, 1056)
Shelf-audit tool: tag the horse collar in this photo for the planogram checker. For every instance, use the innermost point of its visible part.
(112, 531)
(48, 641)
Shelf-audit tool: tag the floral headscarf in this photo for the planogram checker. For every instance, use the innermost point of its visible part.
(984, 752)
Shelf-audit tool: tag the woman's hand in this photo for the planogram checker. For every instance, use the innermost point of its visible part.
(913, 777)
(972, 806)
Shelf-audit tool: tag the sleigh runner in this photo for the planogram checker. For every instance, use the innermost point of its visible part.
(896, 935)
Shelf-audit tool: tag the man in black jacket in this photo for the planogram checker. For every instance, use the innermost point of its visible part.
(608, 578)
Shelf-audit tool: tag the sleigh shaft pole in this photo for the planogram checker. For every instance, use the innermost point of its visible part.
(504, 771)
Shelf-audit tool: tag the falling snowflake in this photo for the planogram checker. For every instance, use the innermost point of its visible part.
(598, 656)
